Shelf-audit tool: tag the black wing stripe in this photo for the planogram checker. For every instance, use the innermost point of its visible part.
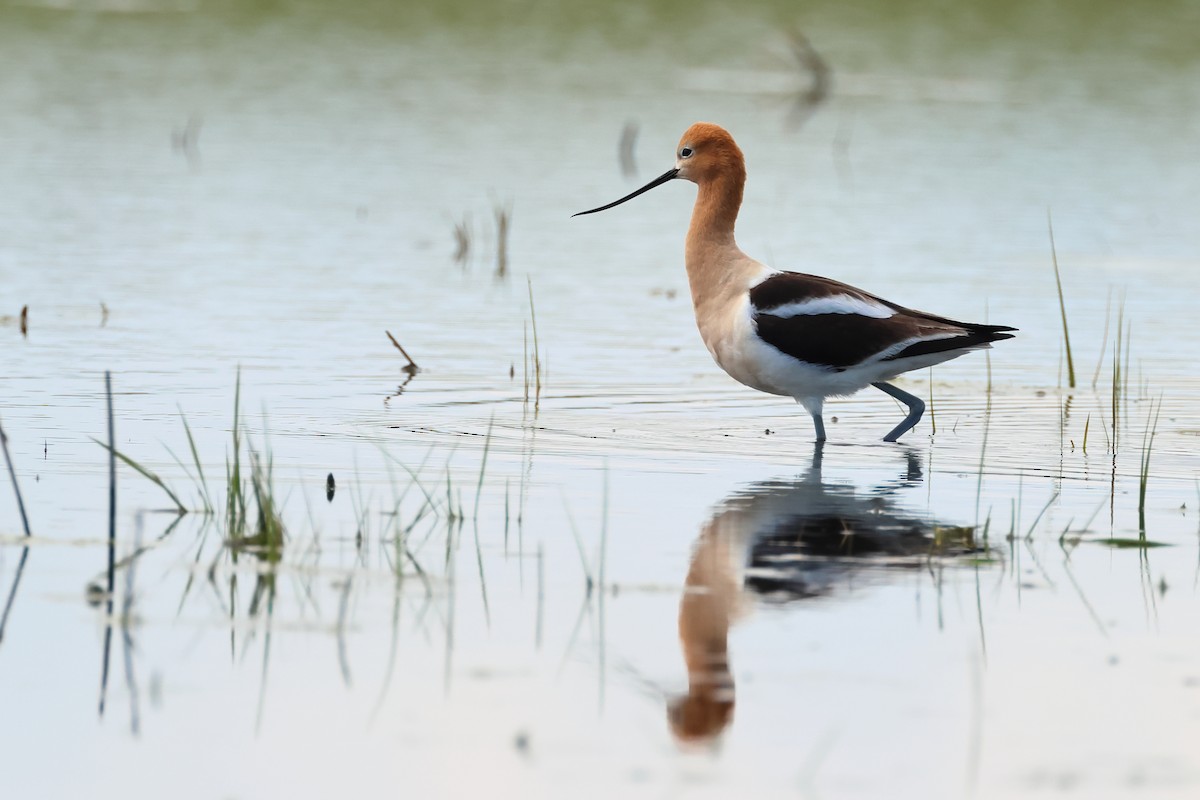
(836, 341)
(975, 339)
(840, 341)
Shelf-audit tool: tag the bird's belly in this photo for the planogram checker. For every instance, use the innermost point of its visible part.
(755, 363)
(739, 351)
(749, 360)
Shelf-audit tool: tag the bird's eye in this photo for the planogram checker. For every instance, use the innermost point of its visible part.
(685, 152)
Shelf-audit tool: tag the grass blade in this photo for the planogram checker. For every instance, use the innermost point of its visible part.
(145, 473)
(1062, 306)
(208, 506)
(1144, 476)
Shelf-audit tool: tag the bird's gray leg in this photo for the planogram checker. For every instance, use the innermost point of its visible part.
(813, 407)
(916, 409)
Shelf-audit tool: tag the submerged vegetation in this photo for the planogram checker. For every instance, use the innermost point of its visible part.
(252, 514)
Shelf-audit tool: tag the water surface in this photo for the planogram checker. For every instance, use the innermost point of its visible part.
(271, 187)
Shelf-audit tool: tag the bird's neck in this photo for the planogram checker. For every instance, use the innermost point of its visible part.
(711, 247)
(715, 213)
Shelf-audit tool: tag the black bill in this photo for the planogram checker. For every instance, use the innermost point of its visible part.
(660, 180)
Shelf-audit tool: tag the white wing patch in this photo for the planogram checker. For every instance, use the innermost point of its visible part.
(834, 304)
(899, 346)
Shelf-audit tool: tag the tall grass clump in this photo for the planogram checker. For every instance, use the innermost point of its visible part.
(266, 536)
(252, 515)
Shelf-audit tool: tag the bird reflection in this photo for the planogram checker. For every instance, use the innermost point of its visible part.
(782, 541)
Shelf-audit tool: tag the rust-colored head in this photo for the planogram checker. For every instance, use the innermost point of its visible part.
(706, 152)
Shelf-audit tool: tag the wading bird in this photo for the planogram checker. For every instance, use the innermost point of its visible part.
(787, 333)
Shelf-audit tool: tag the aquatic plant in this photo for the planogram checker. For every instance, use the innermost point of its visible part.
(533, 363)
(1144, 473)
(1062, 306)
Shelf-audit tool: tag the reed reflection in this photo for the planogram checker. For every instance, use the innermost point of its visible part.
(789, 541)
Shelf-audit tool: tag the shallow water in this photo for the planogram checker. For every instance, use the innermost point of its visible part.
(273, 187)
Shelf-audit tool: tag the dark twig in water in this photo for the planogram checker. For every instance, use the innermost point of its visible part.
(625, 149)
(411, 368)
(25, 321)
(12, 593)
(820, 79)
(462, 240)
(503, 216)
(112, 540)
(13, 475)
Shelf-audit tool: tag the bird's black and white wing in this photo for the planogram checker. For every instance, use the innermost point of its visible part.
(833, 325)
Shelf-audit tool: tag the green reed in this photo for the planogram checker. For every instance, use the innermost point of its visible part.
(1062, 305)
(1144, 472)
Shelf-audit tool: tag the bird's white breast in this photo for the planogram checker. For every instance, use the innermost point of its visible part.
(732, 339)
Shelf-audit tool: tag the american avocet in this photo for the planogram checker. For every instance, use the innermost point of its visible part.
(787, 333)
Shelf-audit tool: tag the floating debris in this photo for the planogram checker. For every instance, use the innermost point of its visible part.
(503, 216)
(330, 487)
